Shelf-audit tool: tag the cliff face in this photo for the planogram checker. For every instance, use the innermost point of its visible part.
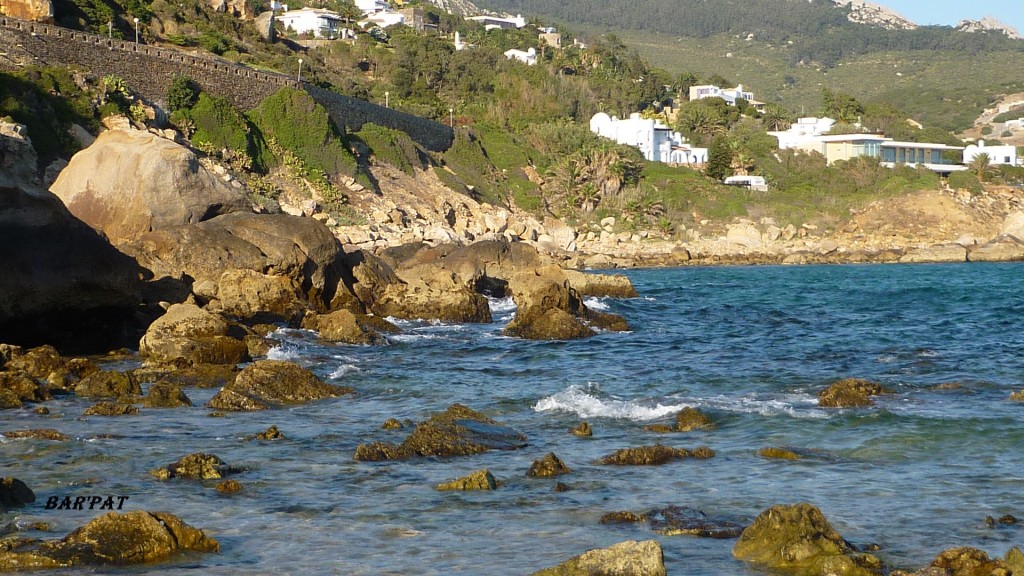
(863, 12)
(34, 10)
(989, 24)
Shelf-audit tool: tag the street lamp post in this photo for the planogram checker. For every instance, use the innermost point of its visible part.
(110, 30)
(387, 103)
(451, 117)
(136, 30)
(300, 70)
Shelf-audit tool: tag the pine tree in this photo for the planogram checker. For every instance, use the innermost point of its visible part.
(719, 158)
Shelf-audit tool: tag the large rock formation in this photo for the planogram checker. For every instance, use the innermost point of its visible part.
(135, 537)
(270, 383)
(189, 332)
(37, 10)
(131, 182)
(799, 540)
(62, 283)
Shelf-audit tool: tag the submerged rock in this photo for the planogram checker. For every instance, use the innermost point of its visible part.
(851, 393)
(630, 558)
(135, 537)
(776, 453)
(583, 430)
(229, 487)
(675, 520)
(479, 480)
(622, 517)
(38, 434)
(271, 433)
(198, 466)
(110, 409)
(798, 539)
(269, 383)
(653, 455)
(14, 492)
(548, 467)
(458, 431)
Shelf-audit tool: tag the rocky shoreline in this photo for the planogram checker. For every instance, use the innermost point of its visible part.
(184, 272)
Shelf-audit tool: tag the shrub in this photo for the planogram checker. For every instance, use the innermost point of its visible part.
(965, 181)
(218, 125)
(393, 147)
(183, 93)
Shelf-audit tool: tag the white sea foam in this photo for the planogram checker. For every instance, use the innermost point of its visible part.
(585, 403)
(595, 303)
(588, 402)
(501, 306)
(343, 370)
(284, 351)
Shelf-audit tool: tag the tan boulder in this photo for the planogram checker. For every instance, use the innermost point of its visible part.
(251, 295)
(269, 383)
(1013, 226)
(630, 558)
(601, 285)
(104, 384)
(130, 182)
(479, 480)
(189, 332)
(798, 539)
(1002, 249)
(851, 393)
(430, 293)
(34, 10)
(940, 253)
(344, 326)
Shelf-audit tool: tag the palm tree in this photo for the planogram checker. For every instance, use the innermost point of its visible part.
(775, 118)
(981, 166)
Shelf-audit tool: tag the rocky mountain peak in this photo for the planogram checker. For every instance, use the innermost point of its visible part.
(863, 12)
(458, 7)
(988, 24)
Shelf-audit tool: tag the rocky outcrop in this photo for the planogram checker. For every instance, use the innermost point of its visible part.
(256, 297)
(989, 24)
(798, 539)
(105, 384)
(63, 284)
(851, 393)
(458, 431)
(37, 434)
(114, 539)
(1000, 249)
(967, 561)
(110, 409)
(35, 10)
(166, 395)
(130, 182)
(601, 285)
(429, 293)
(14, 492)
(198, 466)
(548, 467)
(630, 558)
(195, 257)
(346, 327)
(196, 335)
(271, 383)
(654, 455)
(549, 308)
(186, 374)
(479, 480)
(688, 419)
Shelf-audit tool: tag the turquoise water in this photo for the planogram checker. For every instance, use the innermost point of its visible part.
(751, 347)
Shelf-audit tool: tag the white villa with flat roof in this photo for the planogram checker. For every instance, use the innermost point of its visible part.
(528, 57)
(837, 147)
(318, 21)
(730, 95)
(656, 141)
(492, 22)
(1006, 155)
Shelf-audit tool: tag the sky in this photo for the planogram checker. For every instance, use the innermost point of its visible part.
(949, 12)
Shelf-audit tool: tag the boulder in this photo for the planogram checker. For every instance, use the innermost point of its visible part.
(1013, 226)
(601, 285)
(14, 492)
(189, 332)
(776, 453)
(745, 235)
(687, 420)
(229, 486)
(458, 431)
(20, 388)
(34, 10)
(799, 540)
(653, 455)
(1001, 249)
(1015, 560)
(110, 409)
(38, 434)
(105, 384)
(547, 467)
(187, 375)
(271, 433)
(622, 517)
(548, 308)
(630, 558)
(583, 430)
(258, 297)
(428, 293)
(269, 383)
(135, 537)
(851, 393)
(166, 395)
(198, 466)
(130, 182)
(302, 249)
(479, 480)
(63, 283)
(970, 562)
(939, 253)
(347, 327)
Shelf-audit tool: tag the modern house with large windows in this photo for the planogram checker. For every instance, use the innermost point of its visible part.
(939, 158)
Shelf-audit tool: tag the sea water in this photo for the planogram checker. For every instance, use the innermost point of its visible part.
(750, 346)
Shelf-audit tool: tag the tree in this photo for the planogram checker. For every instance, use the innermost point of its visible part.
(775, 118)
(182, 94)
(981, 166)
(719, 158)
(842, 107)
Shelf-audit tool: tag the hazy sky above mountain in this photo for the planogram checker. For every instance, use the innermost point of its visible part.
(949, 12)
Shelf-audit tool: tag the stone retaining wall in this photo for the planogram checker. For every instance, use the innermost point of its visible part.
(149, 70)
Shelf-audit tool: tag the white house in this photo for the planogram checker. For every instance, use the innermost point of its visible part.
(996, 154)
(382, 19)
(803, 130)
(492, 22)
(368, 7)
(730, 95)
(837, 147)
(528, 57)
(318, 21)
(656, 141)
